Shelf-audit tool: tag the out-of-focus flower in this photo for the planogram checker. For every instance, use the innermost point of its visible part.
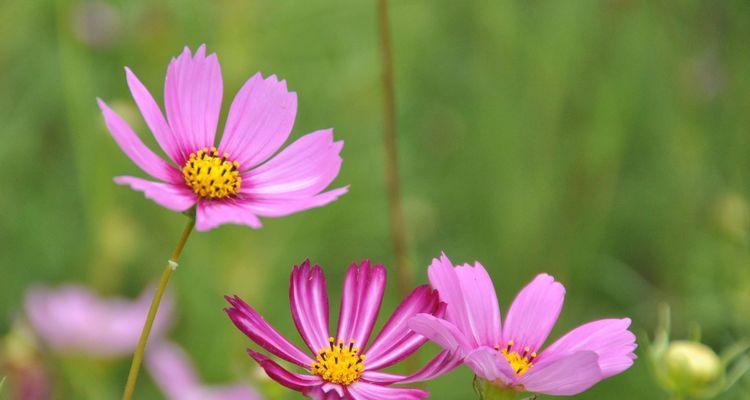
(27, 378)
(344, 366)
(71, 319)
(174, 373)
(232, 183)
(509, 356)
(690, 368)
(96, 23)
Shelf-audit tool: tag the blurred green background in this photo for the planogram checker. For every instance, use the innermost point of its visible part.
(605, 142)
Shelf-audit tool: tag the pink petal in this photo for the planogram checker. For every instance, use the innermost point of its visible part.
(301, 170)
(442, 332)
(533, 313)
(565, 376)
(309, 302)
(261, 332)
(212, 213)
(487, 363)
(360, 302)
(284, 207)
(608, 338)
(298, 382)
(154, 118)
(259, 122)
(471, 298)
(192, 98)
(134, 148)
(174, 197)
(367, 391)
(396, 341)
(441, 364)
(327, 391)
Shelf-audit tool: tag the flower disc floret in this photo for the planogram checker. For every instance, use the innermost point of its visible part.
(338, 363)
(212, 176)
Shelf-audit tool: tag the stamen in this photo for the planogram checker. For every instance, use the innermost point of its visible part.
(212, 176)
(519, 362)
(338, 363)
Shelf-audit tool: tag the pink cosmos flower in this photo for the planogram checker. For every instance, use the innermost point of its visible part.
(510, 355)
(71, 319)
(345, 366)
(232, 183)
(175, 375)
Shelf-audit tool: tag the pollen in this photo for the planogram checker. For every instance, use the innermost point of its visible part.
(520, 362)
(339, 363)
(212, 176)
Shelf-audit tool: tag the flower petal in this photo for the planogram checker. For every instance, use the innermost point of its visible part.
(192, 98)
(308, 299)
(487, 363)
(301, 170)
(441, 364)
(470, 295)
(171, 370)
(211, 214)
(174, 197)
(608, 338)
(298, 382)
(565, 376)
(533, 313)
(154, 118)
(368, 391)
(134, 148)
(442, 332)
(260, 120)
(396, 341)
(360, 302)
(261, 332)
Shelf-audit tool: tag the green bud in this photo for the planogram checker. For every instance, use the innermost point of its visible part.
(691, 367)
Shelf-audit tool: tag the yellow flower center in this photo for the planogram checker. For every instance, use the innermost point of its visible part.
(338, 363)
(520, 362)
(211, 176)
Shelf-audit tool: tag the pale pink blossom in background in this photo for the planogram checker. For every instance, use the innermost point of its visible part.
(244, 176)
(72, 319)
(511, 355)
(174, 373)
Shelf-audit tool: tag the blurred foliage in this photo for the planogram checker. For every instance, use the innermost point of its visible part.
(605, 142)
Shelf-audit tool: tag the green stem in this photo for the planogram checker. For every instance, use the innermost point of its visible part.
(135, 366)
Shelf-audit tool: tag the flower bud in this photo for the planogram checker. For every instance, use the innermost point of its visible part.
(691, 367)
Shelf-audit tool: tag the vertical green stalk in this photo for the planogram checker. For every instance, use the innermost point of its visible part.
(135, 366)
(396, 214)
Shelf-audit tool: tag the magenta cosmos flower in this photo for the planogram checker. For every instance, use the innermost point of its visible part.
(510, 355)
(71, 319)
(345, 366)
(231, 183)
(175, 375)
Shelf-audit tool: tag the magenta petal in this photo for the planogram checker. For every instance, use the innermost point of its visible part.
(442, 332)
(533, 313)
(212, 213)
(441, 364)
(396, 341)
(261, 332)
(174, 197)
(298, 382)
(192, 98)
(360, 302)
(609, 338)
(284, 207)
(487, 363)
(134, 148)
(303, 169)
(472, 302)
(565, 376)
(368, 391)
(171, 370)
(308, 299)
(259, 122)
(154, 118)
